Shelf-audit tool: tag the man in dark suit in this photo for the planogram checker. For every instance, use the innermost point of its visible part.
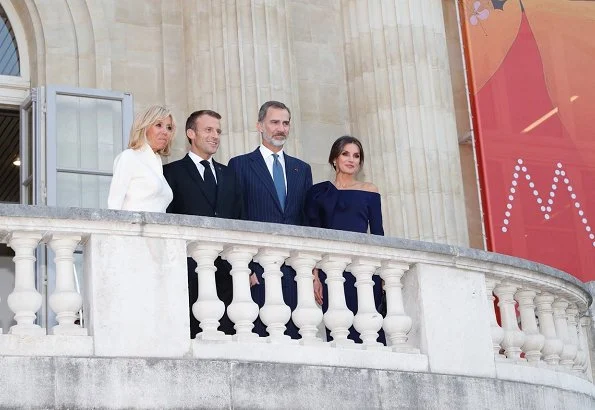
(202, 186)
(274, 187)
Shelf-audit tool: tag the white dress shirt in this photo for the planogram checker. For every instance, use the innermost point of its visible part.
(267, 155)
(201, 168)
(138, 183)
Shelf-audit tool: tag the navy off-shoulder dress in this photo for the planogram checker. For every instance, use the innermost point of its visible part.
(346, 210)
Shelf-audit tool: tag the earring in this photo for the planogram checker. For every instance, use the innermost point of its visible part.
(334, 163)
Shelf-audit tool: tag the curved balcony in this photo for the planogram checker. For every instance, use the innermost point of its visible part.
(130, 347)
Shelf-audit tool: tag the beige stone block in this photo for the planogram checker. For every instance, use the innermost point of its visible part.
(333, 104)
(145, 81)
(306, 61)
(87, 77)
(145, 13)
(146, 39)
(171, 12)
(317, 139)
(61, 69)
(309, 101)
(325, 25)
(300, 17)
(173, 40)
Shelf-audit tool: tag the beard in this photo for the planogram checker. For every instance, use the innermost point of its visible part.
(274, 142)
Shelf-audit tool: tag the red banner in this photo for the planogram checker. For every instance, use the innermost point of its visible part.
(531, 66)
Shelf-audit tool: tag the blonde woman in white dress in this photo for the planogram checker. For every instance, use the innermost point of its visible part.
(138, 183)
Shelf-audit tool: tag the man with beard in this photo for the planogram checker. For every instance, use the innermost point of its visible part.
(274, 187)
(202, 186)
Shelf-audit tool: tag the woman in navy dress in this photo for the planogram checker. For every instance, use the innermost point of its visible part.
(347, 205)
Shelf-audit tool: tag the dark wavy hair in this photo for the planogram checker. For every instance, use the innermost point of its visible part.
(339, 145)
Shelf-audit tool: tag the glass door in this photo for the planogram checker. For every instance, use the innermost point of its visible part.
(69, 139)
(86, 129)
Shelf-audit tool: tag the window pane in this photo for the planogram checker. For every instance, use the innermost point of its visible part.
(83, 191)
(89, 132)
(9, 52)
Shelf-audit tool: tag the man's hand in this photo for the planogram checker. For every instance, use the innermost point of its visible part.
(317, 287)
(254, 280)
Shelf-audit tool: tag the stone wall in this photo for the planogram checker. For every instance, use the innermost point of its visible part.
(117, 383)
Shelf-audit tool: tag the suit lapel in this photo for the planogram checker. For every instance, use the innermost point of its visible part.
(262, 172)
(195, 176)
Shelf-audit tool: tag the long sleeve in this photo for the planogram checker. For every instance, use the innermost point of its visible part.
(307, 187)
(375, 209)
(171, 181)
(120, 181)
(312, 211)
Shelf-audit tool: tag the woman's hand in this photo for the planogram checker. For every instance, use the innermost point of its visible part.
(317, 287)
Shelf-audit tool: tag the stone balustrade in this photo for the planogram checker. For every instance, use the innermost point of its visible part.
(441, 316)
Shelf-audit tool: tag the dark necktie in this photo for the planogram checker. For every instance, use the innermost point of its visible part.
(209, 178)
(279, 180)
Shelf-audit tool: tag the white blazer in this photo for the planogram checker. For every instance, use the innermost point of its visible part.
(138, 183)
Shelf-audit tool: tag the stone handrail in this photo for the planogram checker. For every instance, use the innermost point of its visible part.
(440, 312)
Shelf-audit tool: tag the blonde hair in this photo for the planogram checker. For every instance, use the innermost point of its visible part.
(144, 120)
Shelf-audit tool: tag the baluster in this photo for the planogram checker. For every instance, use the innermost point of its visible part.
(572, 317)
(584, 326)
(513, 336)
(337, 318)
(533, 339)
(560, 321)
(552, 346)
(25, 300)
(275, 313)
(66, 301)
(496, 331)
(307, 314)
(396, 324)
(367, 320)
(208, 308)
(242, 311)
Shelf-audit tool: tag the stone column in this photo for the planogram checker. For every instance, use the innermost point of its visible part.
(534, 340)
(208, 308)
(275, 313)
(66, 301)
(25, 300)
(496, 330)
(401, 105)
(514, 338)
(242, 52)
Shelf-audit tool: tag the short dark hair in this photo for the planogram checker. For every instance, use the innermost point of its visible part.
(339, 145)
(191, 120)
(265, 107)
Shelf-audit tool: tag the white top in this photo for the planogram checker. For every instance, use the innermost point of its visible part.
(138, 183)
(201, 168)
(267, 155)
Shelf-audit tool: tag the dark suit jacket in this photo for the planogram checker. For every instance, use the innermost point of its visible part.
(190, 198)
(260, 197)
(261, 203)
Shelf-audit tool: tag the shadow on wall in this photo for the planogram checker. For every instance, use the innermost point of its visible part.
(6, 286)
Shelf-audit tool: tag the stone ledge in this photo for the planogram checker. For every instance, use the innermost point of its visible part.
(542, 375)
(50, 345)
(143, 218)
(294, 353)
(115, 383)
